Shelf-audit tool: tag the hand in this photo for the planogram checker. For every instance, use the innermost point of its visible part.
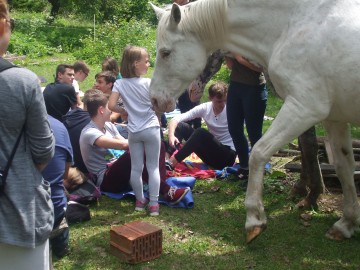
(173, 141)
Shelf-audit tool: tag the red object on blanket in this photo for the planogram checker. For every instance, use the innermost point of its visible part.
(182, 169)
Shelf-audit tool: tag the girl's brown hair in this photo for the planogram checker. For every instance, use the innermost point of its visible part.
(130, 55)
(110, 64)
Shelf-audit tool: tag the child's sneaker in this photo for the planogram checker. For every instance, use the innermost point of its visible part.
(175, 194)
(154, 209)
(141, 205)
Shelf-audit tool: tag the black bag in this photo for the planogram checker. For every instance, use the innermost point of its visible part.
(85, 193)
(77, 212)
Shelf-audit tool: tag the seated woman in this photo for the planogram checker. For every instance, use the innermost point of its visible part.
(214, 146)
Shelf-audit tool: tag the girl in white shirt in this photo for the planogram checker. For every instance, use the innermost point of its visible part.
(143, 125)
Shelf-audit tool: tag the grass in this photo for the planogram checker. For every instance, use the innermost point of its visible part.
(211, 235)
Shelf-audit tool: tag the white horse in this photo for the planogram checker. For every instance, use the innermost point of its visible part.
(311, 50)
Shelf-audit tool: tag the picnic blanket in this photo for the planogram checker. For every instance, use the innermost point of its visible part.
(180, 182)
(194, 166)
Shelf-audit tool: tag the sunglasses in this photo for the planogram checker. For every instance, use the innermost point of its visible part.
(12, 24)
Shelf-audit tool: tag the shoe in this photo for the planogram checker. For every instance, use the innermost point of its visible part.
(169, 165)
(60, 253)
(243, 174)
(154, 209)
(60, 229)
(175, 194)
(141, 205)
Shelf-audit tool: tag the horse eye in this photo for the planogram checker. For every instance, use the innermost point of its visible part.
(165, 53)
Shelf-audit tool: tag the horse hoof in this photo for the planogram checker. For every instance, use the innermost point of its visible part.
(253, 233)
(334, 234)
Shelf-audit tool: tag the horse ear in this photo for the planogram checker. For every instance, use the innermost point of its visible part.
(158, 11)
(175, 15)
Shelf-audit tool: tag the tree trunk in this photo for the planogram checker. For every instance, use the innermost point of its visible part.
(55, 7)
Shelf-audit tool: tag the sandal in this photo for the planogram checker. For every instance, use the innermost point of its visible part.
(169, 165)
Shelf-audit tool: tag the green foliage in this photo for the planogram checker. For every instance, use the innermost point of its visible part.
(107, 10)
(111, 38)
(28, 5)
(222, 75)
(35, 37)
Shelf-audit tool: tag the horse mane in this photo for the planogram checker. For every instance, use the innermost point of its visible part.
(206, 18)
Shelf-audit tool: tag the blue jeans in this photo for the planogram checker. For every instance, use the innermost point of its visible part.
(246, 104)
(59, 244)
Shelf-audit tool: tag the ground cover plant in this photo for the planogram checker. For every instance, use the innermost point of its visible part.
(211, 235)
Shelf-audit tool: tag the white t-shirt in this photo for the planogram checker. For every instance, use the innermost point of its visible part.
(75, 84)
(217, 124)
(135, 95)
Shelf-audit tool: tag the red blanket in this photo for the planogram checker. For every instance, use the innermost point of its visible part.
(192, 166)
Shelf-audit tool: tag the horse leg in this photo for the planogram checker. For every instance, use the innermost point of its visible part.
(340, 142)
(287, 125)
(310, 176)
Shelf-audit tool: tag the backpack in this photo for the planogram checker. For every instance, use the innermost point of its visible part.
(77, 212)
(85, 193)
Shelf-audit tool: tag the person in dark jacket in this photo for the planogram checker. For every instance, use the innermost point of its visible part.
(74, 121)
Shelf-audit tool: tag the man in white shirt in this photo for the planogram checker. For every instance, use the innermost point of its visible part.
(81, 72)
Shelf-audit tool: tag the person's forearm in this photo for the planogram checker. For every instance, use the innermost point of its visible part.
(114, 104)
(172, 126)
(242, 60)
(112, 143)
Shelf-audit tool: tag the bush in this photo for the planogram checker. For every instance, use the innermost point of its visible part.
(35, 37)
(111, 38)
(29, 5)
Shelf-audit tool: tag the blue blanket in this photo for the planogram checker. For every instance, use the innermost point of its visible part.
(180, 182)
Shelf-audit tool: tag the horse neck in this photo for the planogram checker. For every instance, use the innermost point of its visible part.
(206, 18)
(256, 25)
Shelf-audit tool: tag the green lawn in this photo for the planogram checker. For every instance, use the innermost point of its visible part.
(212, 235)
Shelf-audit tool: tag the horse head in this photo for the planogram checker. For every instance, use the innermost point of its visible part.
(180, 57)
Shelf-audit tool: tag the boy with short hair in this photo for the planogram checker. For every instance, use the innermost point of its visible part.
(60, 95)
